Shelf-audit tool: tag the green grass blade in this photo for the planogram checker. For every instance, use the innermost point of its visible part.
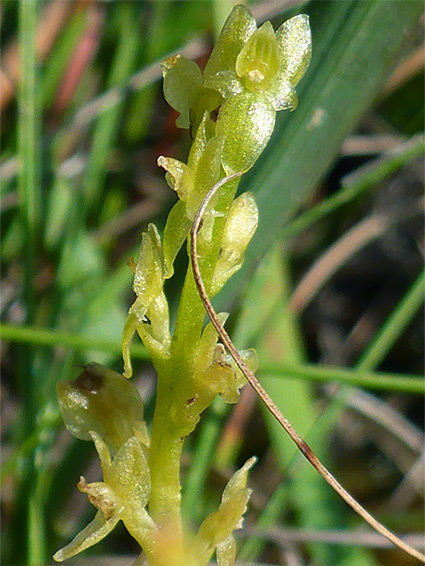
(307, 372)
(366, 178)
(28, 134)
(393, 326)
(106, 127)
(60, 56)
(29, 205)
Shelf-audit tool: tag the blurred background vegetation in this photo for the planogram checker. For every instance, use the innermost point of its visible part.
(330, 293)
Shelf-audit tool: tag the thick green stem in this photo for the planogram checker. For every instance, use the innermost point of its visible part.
(164, 459)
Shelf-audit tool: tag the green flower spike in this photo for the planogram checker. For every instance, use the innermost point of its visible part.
(102, 406)
(230, 111)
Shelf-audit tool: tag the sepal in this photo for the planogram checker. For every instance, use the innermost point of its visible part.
(282, 94)
(130, 474)
(239, 26)
(294, 39)
(182, 82)
(184, 91)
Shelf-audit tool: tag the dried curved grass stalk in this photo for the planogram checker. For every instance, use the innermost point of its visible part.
(263, 395)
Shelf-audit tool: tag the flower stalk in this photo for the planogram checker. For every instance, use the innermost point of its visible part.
(229, 110)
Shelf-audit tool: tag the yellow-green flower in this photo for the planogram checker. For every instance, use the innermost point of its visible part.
(103, 406)
(253, 73)
(261, 70)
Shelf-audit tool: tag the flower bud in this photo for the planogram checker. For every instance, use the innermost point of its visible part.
(149, 312)
(240, 226)
(245, 122)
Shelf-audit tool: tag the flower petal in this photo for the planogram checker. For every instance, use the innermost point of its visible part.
(207, 344)
(93, 533)
(250, 358)
(226, 82)
(258, 62)
(179, 176)
(175, 233)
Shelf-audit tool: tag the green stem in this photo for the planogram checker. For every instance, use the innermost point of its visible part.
(191, 312)
(164, 457)
(202, 458)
